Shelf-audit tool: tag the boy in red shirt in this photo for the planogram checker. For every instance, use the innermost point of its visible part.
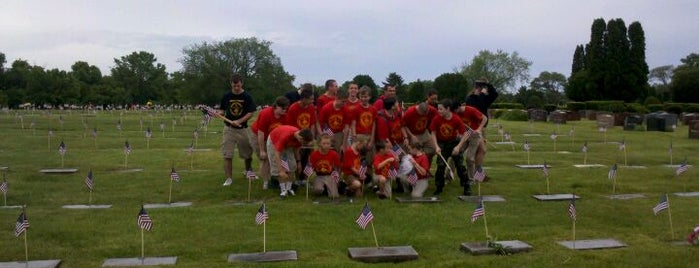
(325, 161)
(416, 120)
(283, 147)
(267, 120)
(388, 124)
(475, 144)
(351, 166)
(384, 160)
(446, 131)
(364, 118)
(302, 114)
(329, 95)
(421, 168)
(331, 119)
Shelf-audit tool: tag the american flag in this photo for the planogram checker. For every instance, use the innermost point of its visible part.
(622, 146)
(22, 224)
(262, 215)
(584, 148)
(662, 205)
(127, 147)
(397, 151)
(208, 110)
(612, 172)
(4, 186)
(50, 133)
(479, 175)
(365, 217)
(308, 170)
(500, 130)
(571, 209)
(62, 148)
(412, 177)
(328, 131)
(682, 168)
(545, 169)
(526, 146)
(32, 124)
(144, 220)
(118, 126)
(335, 176)
(468, 133)
(94, 132)
(250, 175)
(554, 136)
(89, 182)
(174, 176)
(392, 172)
(363, 169)
(149, 133)
(602, 129)
(285, 164)
(478, 212)
(572, 132)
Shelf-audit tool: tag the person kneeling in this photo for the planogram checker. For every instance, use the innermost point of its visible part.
(325, 161)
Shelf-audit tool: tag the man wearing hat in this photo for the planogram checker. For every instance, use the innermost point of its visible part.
(481, 97)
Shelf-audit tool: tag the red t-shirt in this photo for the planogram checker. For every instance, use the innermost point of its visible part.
(350, 110)
(324, 164)
(283, 137)
(389, 128)
(365, 117)
(380, 158)
(417, 123)
(350, 159)
(266, 121)
(323, 100)
(471, 117)
(331, 117)
(447, 130)
(378, 104)
(424, 163)
(301, 117)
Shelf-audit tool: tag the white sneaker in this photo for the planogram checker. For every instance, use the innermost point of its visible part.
(265, 185)
(283, 194)
(291, 192)
(228, 182)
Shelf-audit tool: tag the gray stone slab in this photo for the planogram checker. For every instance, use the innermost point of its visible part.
(588, 166)
(87, 206)
(634, 167)
(533, 166)
(383, 254)
(555, 197)
(129, 170)
(531, 135)
(626, 196)
(168, 205)
(688, 194)
(563, 152)
(482, 248)
(683, 243)
(198, 150)
(336, 201)
(486, 198)
(433, 199)
(269, 256)
(32, 264)
(147, 261)
(675, 166)
(58, 170)
(505, 142)
(10, 207)
(4, 168)
(592, 244)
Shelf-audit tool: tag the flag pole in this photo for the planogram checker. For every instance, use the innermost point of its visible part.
(264, 231)
(126, 157)
(307, 179)
(249, 188)
(585, 158)
(62, 161)
(147, 143)
(528, 163)
(669, 215)
(374, 231)
(554, 145)
(574, 220)
(169, 198)
(548, 191)
(614, 186)
(4, 197)
(26, 247)
(485, 221)
(143, 246)
(89, 199)
(479, 194)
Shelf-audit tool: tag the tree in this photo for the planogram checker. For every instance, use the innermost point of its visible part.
(637, 58)
(366, 80)
(660, 78)
(86, 78)
(578, 59)
(417, 90)
(207, 68)
(452, 85)
(691, 61)
(550, 84)
(504, 70)
(685, 80)
(141, 76)
(397, 81)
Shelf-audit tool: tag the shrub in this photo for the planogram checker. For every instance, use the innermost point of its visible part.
(636, 108)
(691, 107)
(609, 106)
(550, 107)
(651, 100)
(655, 107)
(507, 105)
(575, 106)
(497, 113)
(675, 108)
(515, 115)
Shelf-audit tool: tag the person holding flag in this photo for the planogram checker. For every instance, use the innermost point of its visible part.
(324, 162)
(420, 173)
(354, 171)
(446, 129)
(238, 107)
(416, 121)
(331, 119)
(475, 144)
(384, 160)
(284, 142)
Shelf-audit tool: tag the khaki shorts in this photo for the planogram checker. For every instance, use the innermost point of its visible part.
(426, 140)
(287, 154)
(239, 137)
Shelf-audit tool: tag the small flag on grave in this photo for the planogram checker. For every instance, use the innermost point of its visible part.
(89, 181)
(174, 176)
(365, 217)
(662, 205)
(572, 212)
(478, 212)
(262, 215)
(682, 168)
(612, 172)
(308, 170)
(22, 224)
(144, 221)
(62, 148)
(127, 148)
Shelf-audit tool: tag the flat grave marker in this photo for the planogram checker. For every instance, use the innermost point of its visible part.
(592, 244)
(634, 167)
(538, 166)
(31, 264)
(482, 248)
(531, 135)
(269, 256)
(486, 198)
(9, 207)
(168, 205)
(58, 170)
(383, 254)
(626, 196)
(147, 261)
(433, 199)
(588, 166)
(504, 142)
(87, 206)
(555, 197)
(688, 194)
(129, 170)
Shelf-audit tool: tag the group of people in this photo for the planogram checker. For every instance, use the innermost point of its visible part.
(358, 145)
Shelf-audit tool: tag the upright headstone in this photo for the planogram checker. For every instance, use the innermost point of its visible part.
(558, 117)
(605, 120)
(668, 122)
(689, 117)
(537, 115)
(633, 122)
(694, 129)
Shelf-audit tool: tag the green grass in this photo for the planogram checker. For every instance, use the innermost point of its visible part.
(204, 234)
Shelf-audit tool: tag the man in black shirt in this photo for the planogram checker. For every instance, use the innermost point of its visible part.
(481, 97)
(238, 107)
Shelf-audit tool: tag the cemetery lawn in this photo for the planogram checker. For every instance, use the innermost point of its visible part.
(221, 222)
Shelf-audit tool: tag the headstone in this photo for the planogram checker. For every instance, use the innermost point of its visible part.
(538, 166)
(693, 131)
(592, 244)
(87, 206)
(58, 170)
(418, 200)
(168, 205)
(573, 115)
(4, 168)
(269, 256)
(129, 170)
(10, 207)
(688, 194)
(383, 254)
(661, 121)
(486, 198)
(147, 261)
(588, 166)
(482, 248)
(555, 197)
(330, 201)
(531, 135)
(633, 122)
(689, 117)
(558, 117)
(31, 264)
(591, 114)
(626, 196)
(198, 150)
(605, 120)
(537, 115)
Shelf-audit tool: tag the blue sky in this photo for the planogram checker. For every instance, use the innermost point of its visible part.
(318, 40)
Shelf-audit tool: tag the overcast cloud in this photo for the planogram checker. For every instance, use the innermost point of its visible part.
(317, 40)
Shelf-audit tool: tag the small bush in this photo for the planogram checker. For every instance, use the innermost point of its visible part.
(497, 113)
(655, 107)
(515, 115)
(675, 108)
(636, 108)
(651, 100)
(576, 106)
(691, 107)
(609, 106)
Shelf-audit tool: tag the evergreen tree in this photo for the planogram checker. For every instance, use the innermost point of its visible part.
(637, 59)
(578, 59)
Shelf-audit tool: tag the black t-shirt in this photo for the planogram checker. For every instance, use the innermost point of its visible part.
(235, 106)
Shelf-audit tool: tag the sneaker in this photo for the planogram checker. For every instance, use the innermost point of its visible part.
(265, 185)
(291, 192)
(283, 194)
(228, 182)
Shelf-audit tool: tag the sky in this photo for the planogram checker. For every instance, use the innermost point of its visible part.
(318, 40)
